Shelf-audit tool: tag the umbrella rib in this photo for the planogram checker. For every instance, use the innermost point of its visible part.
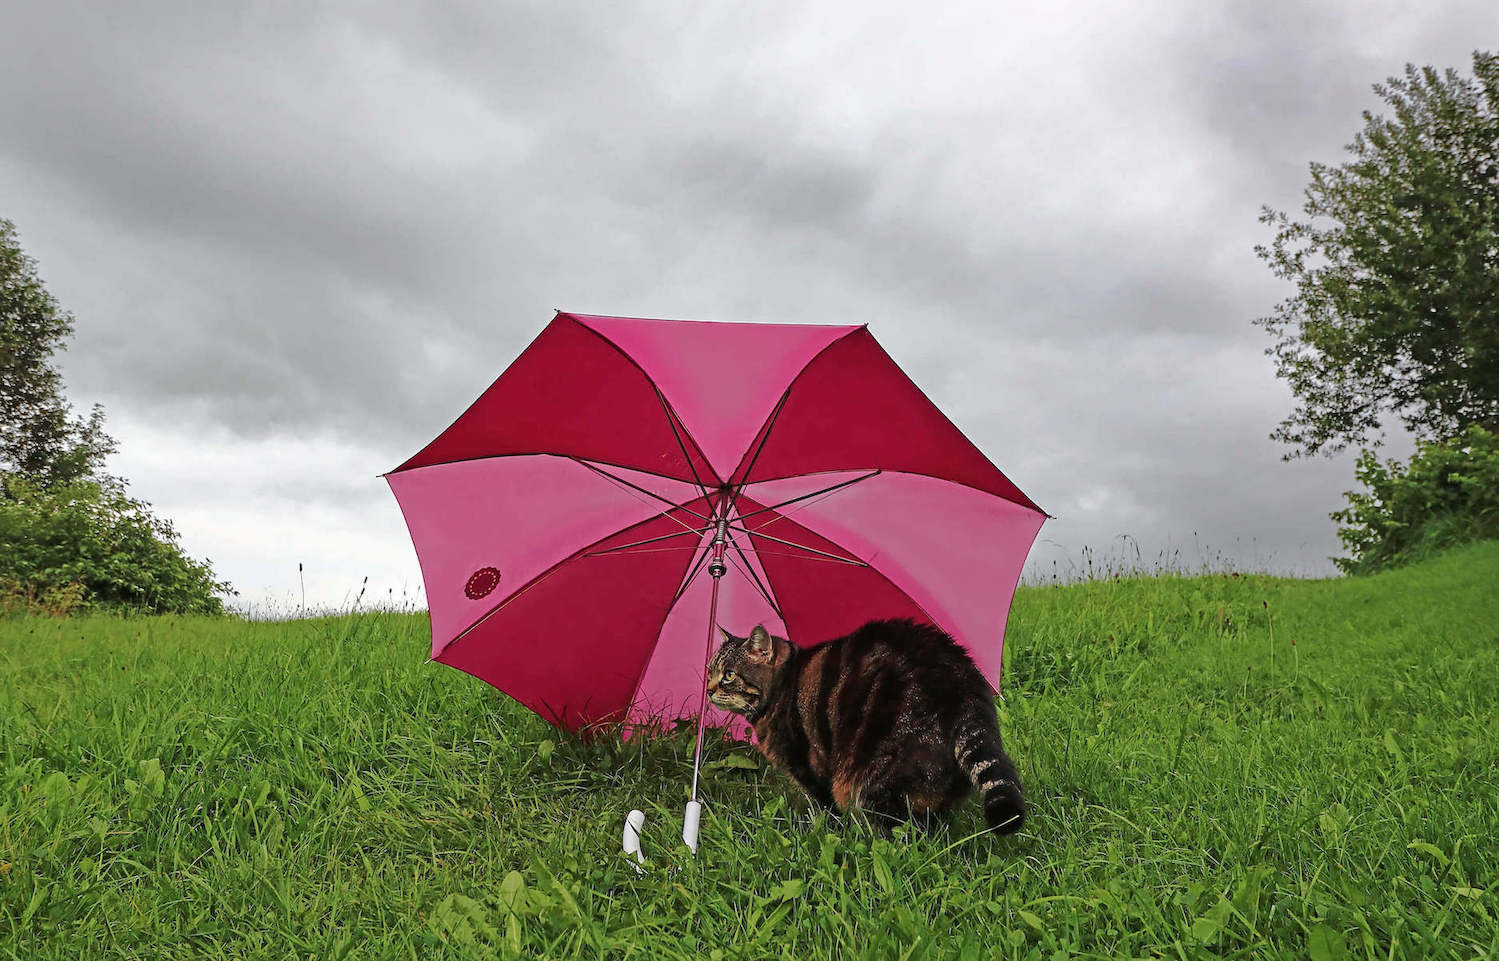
(645, 664)
(749, 570)
(698, 566)
(534, 453)
(803, 547)
(581, 552)
(687, 581)
(665, 406)
(654, 550)
(770, 425)
(651, 493)
(648, 540)
(748, 573)
(785, 395)
(826, 490)
(805, 557)
(671, 421)
(1023, 505)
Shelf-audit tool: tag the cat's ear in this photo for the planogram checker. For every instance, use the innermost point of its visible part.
(727, 637)
(760, 642)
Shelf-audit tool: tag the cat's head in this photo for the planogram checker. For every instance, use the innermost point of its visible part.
(744, 670)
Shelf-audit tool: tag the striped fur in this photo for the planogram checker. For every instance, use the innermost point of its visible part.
(894, 718)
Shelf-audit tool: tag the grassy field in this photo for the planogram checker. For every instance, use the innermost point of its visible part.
(1232, 766)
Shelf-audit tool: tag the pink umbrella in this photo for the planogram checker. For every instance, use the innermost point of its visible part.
(627, 483)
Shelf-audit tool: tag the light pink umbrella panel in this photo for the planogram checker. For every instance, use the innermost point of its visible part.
(565, 522)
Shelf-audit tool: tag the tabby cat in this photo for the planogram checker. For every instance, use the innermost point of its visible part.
(894, 718)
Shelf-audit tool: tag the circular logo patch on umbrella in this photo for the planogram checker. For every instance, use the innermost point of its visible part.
(481, 583)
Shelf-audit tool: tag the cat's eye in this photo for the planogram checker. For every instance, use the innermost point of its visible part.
(728, 676)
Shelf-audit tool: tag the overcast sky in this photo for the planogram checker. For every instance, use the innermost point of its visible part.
(298, 239)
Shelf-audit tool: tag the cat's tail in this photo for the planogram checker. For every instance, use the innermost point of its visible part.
(981, 755)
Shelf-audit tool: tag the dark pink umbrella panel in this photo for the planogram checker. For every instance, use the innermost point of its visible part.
(564, 522)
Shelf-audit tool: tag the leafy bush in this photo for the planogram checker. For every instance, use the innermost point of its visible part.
(87, 544)
(1447, 495)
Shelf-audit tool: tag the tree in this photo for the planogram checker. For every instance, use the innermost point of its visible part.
(70, 535)
(40, 438)
(1396, 269)
(1448, 494)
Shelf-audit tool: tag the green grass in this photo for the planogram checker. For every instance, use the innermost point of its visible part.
(1219, 766)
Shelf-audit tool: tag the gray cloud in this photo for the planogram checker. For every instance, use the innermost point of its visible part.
(335, 222)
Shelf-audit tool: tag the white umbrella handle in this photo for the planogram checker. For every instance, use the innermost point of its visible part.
(690, 819)
(634, 821)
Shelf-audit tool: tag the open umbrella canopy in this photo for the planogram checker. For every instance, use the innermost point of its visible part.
(566, 522)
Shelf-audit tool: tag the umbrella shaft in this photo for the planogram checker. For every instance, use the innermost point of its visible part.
(716, 568)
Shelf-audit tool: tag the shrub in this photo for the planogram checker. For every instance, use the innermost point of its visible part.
(17, 598)
(87, 544)
(1448, 494)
